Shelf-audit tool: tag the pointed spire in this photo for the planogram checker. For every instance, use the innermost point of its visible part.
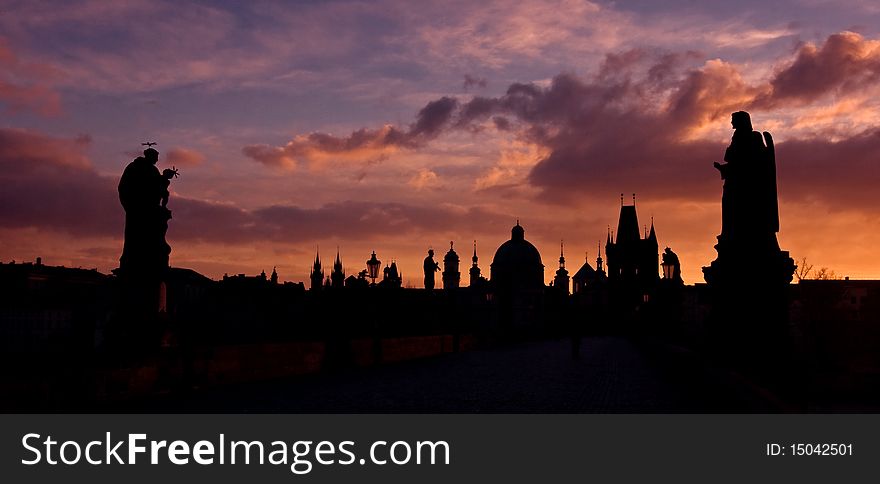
(337, 276)
(561, 281)
(475, 269)
(562, 254)
(653, 235)
(608, 238)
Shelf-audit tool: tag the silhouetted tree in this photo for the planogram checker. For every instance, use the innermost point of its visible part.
(826, 274)
(803, 269)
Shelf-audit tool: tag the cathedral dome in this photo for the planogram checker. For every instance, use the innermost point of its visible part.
(517, 260)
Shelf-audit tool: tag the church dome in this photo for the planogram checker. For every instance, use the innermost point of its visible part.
(518, 260)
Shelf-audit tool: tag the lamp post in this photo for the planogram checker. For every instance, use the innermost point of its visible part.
(373, 268)
(668, 270)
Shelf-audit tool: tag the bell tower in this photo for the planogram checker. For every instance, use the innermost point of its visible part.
(560, 282)
(451, 274)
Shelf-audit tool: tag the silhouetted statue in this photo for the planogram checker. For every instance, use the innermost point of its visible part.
(430, 266)
(143, 191)
(749, 279)
(140, 320)
(749, 210)
(748, 251)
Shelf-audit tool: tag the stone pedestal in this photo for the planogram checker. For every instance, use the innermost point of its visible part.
(749, 317)
(140, 314)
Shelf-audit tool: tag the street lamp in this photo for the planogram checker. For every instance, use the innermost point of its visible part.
(668, 270)
(373, 267)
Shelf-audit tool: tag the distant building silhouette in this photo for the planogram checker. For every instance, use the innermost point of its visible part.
(317, 275)
(633, 261)
(337, 277)
(561, 280)
(358, 282)
(391, 276)
(259, 280)
(451, 274)
(517, 263)
(41, 304)
(475, 279)
(587, 278)
(517, 278)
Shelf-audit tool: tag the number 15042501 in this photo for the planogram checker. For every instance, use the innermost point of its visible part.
(809, 449)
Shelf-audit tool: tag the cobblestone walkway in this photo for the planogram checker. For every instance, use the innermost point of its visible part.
(612, 375)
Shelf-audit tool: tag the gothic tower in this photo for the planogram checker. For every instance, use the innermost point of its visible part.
(391, 276)
(337, 277)
(317, 275)
(633, 259)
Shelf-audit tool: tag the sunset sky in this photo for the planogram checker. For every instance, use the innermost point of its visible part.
(398, 125)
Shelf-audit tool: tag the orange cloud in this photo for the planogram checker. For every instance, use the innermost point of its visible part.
(425, 178)
(364, 144)
(184, 157)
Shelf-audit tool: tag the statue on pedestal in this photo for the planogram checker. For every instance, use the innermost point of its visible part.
(143, 266)
(749, 279)
(748, 250)
(430, 266)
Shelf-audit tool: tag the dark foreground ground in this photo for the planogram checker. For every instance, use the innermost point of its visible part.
(612, 375)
